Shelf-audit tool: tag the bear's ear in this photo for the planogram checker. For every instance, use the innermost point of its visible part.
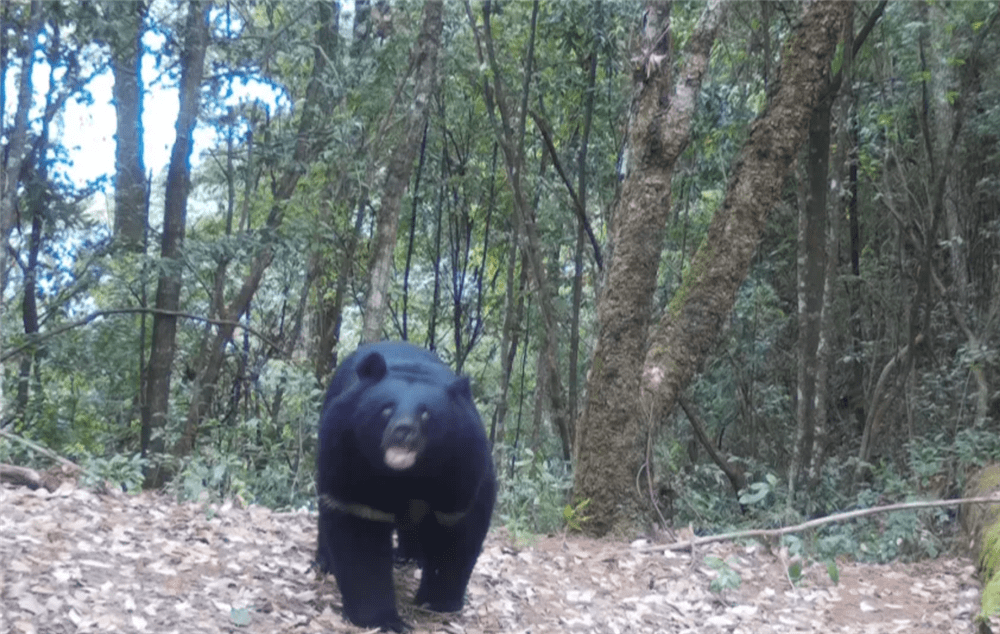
(372, 367)
(460, 388)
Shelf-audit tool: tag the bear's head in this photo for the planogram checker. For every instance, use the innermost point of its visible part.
(409, 408)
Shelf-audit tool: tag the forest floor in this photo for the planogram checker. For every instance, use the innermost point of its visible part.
(76, 561)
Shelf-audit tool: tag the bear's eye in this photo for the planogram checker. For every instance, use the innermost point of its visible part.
(387, 412)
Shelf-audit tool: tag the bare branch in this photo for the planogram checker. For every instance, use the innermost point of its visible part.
(127, 311)
(821, 521)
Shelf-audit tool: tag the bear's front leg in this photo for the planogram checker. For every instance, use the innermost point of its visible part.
(360, 552)
(447, 565)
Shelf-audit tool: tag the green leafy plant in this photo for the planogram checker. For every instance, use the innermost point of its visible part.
(533, 494)
(833, 571)
(794, 570)
(758, 491)
(122, 471)
(573, 515)
(726, 579)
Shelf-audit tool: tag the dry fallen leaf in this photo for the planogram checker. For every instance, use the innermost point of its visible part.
(75, 561)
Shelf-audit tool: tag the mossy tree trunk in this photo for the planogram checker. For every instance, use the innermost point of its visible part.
(637, 377)
(610, 440)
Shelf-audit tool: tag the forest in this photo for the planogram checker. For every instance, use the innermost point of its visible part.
(707, 263)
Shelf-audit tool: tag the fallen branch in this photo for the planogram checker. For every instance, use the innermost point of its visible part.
(830, 519)
(48, 453)
(21, 476)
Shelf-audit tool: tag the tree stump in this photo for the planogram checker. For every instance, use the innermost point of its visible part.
(981, 531)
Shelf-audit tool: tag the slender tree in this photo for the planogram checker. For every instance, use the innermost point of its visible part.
(130, 170)
(509, 127)
(168, 289)
(17, 148)
(423, 63)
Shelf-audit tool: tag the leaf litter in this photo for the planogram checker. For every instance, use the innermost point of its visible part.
(73, 560)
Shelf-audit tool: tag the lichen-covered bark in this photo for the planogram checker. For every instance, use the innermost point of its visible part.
(637, 376)
(609, 435)
(685, 336)
(130, 170)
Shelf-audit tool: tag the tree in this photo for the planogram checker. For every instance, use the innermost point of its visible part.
(305, 150)
(616, 425)
(510, 130)
(938, 150)
(130, 172)
(423, 62)
(816, 242)
(14, 156)
(17, 148)
(168, 288)
(609, 426)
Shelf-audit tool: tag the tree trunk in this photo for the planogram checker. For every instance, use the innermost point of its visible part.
(685, 336)
(811, 283)
(29, 302)
(130, 171)
(611, 440)
(17, 149)
(442, 197)
(572, 406)
(413, 233)
(510, 334)
(680, 342)
(332, 313)
(423, 61)
(168, 286)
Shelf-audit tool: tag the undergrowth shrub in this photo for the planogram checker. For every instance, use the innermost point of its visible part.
(533, 491)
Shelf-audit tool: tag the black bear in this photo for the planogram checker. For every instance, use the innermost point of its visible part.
(401, 446)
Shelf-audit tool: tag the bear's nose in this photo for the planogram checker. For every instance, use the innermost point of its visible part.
(403, 432)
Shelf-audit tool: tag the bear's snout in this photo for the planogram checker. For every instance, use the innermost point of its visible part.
(402, 443)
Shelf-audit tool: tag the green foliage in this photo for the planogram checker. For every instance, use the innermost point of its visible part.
(804, 550)
(899, 535)
(705, 498)
(117, 470)
(794, 570)
(833, 571)
(758, 491)
(726, 578)
(267, 460)
(990, 561)
(989, 567)
(766, 502)
(990, 603)
(573, 515)
(202, 479)
(533, 495)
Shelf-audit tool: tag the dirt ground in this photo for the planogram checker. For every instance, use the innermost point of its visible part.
(76, 561)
